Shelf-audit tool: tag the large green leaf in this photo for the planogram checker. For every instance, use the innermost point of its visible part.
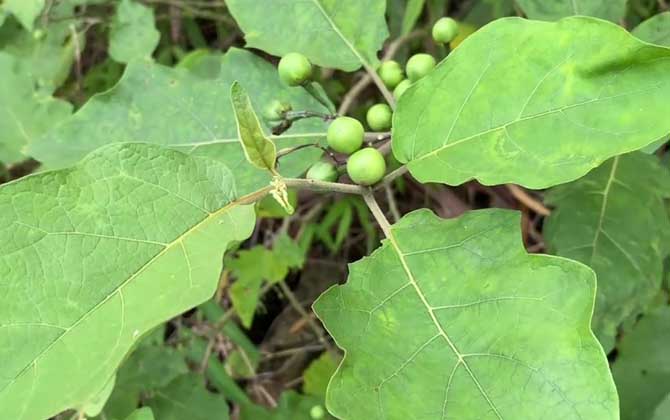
(655, 29)
(642, 368)
(588, 91)
(662, 411)
(94, 256)
(614, 220)
(187, 398)
(613, 10)
(133, 33)
(24, 113)
(453, 319)
(342, 34)
(144, 413)
(172, 107)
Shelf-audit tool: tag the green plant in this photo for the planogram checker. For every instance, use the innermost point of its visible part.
(379, 117)
(445, 30)
(366, 167)
(419, 65)
(174, 254)
(294, 69)
(345, 135)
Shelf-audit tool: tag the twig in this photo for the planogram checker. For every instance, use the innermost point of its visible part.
(393, 206)
(298, 307)
(527, 200)
(391, 176)
(377, 213)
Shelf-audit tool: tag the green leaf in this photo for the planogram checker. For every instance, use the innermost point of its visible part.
(642, 368)
(257, 265)
(26, 11)
(259, 150)
(94, 406)
(24, 113)
(567, 112)
(318, 373)
(412, 13)
(328, 32)
(144, 413)
(96, 255)
(47, 58)
(455, 311)
(133, 32)
(172, 107)
(187, 398)
(614, 220)
(613, 10)
(662, 412)
(292, 406)
(655, 30)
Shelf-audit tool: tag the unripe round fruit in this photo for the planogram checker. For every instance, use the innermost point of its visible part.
(379, 117)
(345, 135)
(445, 30)
(401, 88)
(317, 412)
(419, 65)
(391, 73)
(366, 167)
(294, 69)
(276, 110)
(322, 171)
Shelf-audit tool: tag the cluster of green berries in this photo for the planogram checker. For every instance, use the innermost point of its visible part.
(365, 166)
(418, 65)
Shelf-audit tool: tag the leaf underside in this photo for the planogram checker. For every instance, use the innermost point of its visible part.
(612, 10)
(452, 319)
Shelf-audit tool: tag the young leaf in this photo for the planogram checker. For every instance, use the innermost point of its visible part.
(642, 368)
(24, 113)
(655, 30)
(187, 398)
(328, 32)
(172, 107)
(259, 150)
(567, 112)
(614, 220)
(133, 33)
(94, 256)
(613, 10)
(456, 312)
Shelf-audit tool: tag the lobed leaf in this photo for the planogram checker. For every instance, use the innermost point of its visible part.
(96, 255)
(133, 34)
(612, 10)
(328, 32)
(589, 91)
(452, 319)
(172, 107)
(614, 220)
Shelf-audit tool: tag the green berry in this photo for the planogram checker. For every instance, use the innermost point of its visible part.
(322, 171)
(401, 88)
(391, 73)
(419, 65)
(276, 110)
(379, 117)
(445, 30)
(294, 69)
(366, 167)
(345, 135)
(317, 412)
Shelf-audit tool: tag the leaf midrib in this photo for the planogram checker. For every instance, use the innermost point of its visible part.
(339, 33)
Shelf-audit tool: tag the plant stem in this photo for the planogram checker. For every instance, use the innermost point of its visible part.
(391, 176)
(377, 213)
(322, 186)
